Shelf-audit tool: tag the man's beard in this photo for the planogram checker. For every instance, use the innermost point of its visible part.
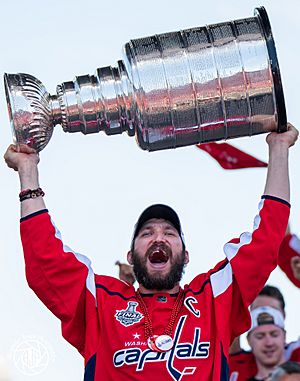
(158, 281)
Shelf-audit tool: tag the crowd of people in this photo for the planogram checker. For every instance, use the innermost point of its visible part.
(160, 328)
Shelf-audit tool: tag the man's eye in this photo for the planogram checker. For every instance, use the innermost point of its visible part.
(145, 233)
(259, 337)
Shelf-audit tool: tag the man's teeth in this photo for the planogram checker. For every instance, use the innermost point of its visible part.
(158, 256)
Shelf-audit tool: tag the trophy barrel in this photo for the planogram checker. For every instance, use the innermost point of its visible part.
(204, 84)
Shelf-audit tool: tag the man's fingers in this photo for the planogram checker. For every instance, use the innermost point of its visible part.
(15, 154)
(293, 132)
(24, 148)
(11, 147)
(19, 148)
(289, 137)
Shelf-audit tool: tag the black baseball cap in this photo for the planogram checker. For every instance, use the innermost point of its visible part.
(158, 211)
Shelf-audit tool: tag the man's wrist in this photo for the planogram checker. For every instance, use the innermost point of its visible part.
(279, 145)
(278, 151)
(28, 174)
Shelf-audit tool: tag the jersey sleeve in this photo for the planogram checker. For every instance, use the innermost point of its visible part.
(61, 278)
(250, 260)
(289, 248)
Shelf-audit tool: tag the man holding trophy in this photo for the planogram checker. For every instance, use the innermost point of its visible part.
(206, 87)
(159, 328)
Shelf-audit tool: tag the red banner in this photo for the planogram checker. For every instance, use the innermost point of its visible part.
(230, 157)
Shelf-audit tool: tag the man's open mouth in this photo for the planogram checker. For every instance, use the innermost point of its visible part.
(158, 255)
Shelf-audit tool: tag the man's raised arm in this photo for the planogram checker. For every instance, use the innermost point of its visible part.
(277, 183)
(254, 255)
(62, 278)
(24, 159)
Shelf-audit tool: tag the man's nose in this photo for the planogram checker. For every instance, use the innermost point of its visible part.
(159, 236)
(269, 340)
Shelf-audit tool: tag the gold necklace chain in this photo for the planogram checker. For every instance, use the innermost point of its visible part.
(148, 323)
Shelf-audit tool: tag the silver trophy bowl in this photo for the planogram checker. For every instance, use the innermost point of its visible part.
(197, 85)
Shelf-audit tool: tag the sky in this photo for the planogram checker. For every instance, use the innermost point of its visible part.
(96, 186)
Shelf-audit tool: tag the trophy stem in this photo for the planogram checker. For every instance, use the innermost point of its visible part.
(93, 103)
(55, 109)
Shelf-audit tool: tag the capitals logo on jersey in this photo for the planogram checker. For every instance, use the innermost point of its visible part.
(137, 357)
(129, 316)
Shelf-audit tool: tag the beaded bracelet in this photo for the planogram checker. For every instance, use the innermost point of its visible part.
(31, 193)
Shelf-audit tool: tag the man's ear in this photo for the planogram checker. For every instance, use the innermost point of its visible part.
(129, 257)
(186, 257)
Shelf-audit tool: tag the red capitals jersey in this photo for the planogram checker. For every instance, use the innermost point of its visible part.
(289, 248)
(101, 317)
(242, 365)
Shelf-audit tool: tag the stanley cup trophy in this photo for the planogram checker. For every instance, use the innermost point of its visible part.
(175, 89)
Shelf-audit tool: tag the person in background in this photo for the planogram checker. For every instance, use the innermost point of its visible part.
(266, 338)
(289, 257)
(242, 364)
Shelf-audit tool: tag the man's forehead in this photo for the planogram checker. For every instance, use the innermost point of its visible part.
(267, 328)
(157, 221)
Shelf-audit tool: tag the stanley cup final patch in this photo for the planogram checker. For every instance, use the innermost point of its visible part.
(129, 316)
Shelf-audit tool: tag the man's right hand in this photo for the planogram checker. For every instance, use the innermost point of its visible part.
(18, 156)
